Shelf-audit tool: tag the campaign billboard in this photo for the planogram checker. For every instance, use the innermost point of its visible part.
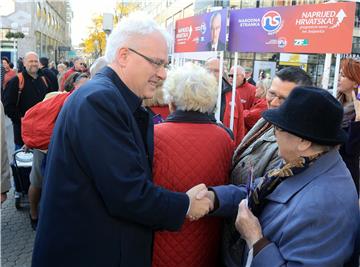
(321, 28)
(205, 32)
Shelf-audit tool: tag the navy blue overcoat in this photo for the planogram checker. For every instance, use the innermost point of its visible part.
(99, 206)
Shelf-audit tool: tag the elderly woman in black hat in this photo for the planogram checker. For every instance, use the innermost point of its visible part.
(305, 212)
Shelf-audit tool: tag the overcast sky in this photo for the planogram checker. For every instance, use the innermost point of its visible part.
(83, 12)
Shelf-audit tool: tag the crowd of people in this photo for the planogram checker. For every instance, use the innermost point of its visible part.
(140, 173)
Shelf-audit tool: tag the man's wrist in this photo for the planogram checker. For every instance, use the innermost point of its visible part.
(259, 245)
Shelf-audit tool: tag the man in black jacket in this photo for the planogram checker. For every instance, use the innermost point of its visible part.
(49, 74)
(17, 100)
(34, 90)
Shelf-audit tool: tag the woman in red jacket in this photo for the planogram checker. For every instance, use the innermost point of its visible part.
(252, 115)
(190, 148)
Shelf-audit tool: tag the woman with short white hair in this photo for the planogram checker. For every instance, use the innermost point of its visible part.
(190, 148)
(191, 88)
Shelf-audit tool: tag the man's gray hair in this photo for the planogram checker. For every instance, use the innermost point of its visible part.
(136, 24)
(77, 59)
(239, 70)
(30, 53)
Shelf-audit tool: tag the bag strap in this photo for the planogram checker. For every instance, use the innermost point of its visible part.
(22, 84)
(21, 87)
(45, 82)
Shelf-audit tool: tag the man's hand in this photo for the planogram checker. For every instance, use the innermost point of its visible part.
(199, 204)
(25, 148)
(248, 225)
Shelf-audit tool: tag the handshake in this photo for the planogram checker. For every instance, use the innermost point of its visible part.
(201, 202)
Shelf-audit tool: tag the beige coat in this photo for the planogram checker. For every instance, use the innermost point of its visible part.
(5, 167)
(262, 154)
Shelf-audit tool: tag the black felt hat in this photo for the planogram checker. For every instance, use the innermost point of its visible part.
(310, 113)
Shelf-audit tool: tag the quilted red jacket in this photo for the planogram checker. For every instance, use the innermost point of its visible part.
(185, 155)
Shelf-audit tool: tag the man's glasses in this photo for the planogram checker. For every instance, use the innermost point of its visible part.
(157, 63)
(231, 75)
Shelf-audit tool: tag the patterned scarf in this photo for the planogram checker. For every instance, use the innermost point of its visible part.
(273, 178)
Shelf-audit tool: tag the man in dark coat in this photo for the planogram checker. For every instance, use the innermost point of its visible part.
(49, 74)
(34, 90)
(99, 206)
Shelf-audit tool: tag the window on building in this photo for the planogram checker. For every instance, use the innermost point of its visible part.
(189, 11)
(356, 45)
(282, 2)
(266, 3)
(248, 3)
(38, 10)
(357, 15)
(178, 16)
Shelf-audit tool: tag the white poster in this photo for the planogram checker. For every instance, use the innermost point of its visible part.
(264, 69)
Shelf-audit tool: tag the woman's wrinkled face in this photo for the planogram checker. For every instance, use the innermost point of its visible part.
(288, 145)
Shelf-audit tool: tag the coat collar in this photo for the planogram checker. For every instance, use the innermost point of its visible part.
(292, 185)
(191, 117)
(133, 101)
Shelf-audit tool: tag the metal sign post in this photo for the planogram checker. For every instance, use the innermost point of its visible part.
(233, 93)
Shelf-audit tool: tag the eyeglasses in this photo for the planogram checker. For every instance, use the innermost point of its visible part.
(158, 63)
(231, 75)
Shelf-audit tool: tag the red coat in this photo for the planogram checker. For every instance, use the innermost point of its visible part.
(239, 125)
(162, 110)
(185, 155)
(247, 94)
(7, 77)
(252, 115)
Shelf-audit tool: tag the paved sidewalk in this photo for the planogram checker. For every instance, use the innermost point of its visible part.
(17, 237)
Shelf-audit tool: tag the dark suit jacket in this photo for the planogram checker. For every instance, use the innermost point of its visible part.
(220, 46)
(99, 206)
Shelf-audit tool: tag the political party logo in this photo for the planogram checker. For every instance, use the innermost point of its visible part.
(301, 42)
(271, 22)
(282, 42)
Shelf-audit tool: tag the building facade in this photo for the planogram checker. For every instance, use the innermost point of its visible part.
(46, 25)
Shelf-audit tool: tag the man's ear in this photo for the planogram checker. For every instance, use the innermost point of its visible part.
(122, 55)
(304, 145)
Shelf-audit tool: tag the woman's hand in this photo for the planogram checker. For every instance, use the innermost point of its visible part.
(248, 225)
